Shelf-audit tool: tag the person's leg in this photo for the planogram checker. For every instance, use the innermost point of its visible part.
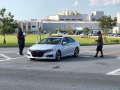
(20, 48)
(101, 52)
(97, 51)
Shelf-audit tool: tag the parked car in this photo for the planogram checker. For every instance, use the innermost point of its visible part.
(93, 34)
(54, 47)
(117, 35)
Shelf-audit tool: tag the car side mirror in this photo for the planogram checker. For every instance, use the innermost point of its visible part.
(64, 43)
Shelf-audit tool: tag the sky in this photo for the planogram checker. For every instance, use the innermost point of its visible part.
(39, 9)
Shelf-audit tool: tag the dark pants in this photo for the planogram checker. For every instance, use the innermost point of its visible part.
(21, 46)
(99, 48)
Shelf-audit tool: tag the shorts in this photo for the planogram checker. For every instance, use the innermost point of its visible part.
(99, 48)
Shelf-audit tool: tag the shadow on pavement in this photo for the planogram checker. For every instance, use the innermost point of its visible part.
(79, 59)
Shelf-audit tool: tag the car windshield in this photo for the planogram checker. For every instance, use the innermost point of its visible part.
(50, 41)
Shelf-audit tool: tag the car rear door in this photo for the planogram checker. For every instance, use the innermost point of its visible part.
(71, 45)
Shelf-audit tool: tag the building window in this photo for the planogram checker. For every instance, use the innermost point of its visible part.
(67, 19)
(28, 27)
(79, 19)
(93, 19)
(73, 19)
(23, 27)
(33, 26)
(61, 19)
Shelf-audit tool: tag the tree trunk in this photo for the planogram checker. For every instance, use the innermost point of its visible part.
(4, 41)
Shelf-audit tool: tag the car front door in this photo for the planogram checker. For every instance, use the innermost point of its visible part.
(65, 48)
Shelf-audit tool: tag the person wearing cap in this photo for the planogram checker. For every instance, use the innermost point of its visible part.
(99, 44)
(21, 40)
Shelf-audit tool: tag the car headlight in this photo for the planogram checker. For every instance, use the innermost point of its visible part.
(29, 50)
(49, 50)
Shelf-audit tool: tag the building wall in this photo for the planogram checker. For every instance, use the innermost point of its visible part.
(96, 15)
(33, 27)
(29, 24)
(55, 17)
(118, 17)
(24, 26)
(84, 17)
(64, 25)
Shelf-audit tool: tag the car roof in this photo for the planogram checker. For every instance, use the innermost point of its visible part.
(56, 36)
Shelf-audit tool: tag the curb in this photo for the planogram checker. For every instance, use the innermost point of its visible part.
(80, 45)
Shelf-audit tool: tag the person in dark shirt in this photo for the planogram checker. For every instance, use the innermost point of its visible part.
(21, 41)
(99, 44)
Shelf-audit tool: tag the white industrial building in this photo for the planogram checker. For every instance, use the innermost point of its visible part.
(64, 18)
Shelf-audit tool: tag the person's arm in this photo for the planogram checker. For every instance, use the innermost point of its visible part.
(100, 38)
(19, 35)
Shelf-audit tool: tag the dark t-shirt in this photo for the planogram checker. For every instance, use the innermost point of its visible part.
(20, 38)
(100, 43)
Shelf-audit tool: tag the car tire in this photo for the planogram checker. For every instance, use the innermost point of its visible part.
(58, 55)
(76, 52)
(32, 59)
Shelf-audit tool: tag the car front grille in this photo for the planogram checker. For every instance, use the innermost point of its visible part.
(37, 53)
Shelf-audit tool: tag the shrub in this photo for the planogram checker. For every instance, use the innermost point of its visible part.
(84, 36)
(114, 41)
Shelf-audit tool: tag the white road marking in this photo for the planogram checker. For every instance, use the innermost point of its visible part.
(5, 56)
(8, 58)
(7, 52)
(115, 72)
(89, 51)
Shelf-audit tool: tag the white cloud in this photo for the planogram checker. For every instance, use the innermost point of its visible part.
(104, 2)
(76, 4)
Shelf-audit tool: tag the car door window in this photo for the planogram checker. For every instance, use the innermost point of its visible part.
(69, 40)
(64, 40)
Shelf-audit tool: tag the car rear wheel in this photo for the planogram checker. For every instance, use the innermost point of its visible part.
(76, 52)
(58, 55)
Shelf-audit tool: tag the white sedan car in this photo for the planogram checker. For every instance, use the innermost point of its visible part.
(54, 47)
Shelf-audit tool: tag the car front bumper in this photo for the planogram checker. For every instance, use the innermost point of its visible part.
(48, 55)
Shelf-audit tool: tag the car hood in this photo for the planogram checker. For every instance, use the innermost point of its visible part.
(43, 47)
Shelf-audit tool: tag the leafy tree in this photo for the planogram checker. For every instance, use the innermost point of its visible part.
(106, 23)
(8, 23)
(69, 30)
(86, 30)
(56, 30)
(41, 30)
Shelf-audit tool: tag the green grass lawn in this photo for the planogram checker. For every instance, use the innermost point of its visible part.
(11, 40)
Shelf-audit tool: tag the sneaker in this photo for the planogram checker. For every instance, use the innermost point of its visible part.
(101, 56)
(21, 54)
(95, 56)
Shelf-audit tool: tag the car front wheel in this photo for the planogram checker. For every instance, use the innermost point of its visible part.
(32, 59)
(58, 55)
(76, 52)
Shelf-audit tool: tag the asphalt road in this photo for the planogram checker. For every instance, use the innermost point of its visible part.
(81, 73)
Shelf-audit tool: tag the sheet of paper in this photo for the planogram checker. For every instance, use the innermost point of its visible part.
(24, 34)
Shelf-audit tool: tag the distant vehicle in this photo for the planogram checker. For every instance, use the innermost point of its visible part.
(54, 47)
(63, 33)
(93, 34)
(78, 32)
(117, 35)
